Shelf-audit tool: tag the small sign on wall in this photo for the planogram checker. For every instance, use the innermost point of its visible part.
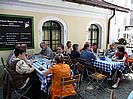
(16, 29)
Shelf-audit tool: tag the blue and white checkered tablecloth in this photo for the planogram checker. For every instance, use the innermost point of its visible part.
(45, 64)
(108, 65)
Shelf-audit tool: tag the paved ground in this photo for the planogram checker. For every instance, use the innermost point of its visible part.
(125, 87)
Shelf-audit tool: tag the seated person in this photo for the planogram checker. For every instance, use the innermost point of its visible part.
(67, 59)
(58, 71)
(111, 51)
(87, 54)
(60, 49)
(68, 48)
(22, 73)
(46, 51)
(83, 47)
(74, 53)
(24, 46)
(101, 52)
(94, 49)
(11, 55)
(27, 56)
(120, 56)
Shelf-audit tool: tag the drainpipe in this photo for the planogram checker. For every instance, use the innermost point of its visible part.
(109, 27)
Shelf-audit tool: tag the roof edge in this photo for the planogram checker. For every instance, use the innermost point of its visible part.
(101, 4)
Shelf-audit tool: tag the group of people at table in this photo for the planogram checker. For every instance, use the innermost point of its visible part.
(24, 74)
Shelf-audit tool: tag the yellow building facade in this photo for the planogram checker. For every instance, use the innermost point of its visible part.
(75, 20)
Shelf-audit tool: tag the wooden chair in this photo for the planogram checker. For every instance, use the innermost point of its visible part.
(86, 64)
(130, 63)
(74, 61)
(127, 71)
(80, 70)
(68, 81)
(73, 64)
(95, 75)
(82, 61)
(88, 68)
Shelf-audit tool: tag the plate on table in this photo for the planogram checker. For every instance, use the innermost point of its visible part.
(102, 58)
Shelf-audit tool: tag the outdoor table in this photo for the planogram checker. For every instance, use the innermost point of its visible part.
(41, 65)
(108, 65)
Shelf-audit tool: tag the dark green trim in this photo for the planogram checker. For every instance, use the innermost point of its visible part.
(32, 32)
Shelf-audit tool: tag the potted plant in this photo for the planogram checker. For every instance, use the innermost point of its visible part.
(122, 41)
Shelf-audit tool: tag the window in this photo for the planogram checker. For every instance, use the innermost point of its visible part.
(52, 34)
(93, 34)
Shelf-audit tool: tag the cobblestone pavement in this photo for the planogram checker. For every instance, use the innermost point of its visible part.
(122, 92)
(87, 91)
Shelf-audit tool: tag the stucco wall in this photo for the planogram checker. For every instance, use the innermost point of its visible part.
(76, 27)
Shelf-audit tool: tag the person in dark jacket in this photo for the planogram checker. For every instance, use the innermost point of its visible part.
(74, 53)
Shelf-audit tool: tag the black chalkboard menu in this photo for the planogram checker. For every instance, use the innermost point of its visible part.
(16, 29)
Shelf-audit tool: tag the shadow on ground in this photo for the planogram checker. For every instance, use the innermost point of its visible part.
(87, 91)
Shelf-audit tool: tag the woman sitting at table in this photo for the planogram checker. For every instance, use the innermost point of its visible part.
(58, 71)
(23, 74)
(75, 53)
(68, 47)
(120, 56)
(94, 49)
(111, 51)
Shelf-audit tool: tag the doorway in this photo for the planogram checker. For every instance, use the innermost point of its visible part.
(52, 34)
(93, 36)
